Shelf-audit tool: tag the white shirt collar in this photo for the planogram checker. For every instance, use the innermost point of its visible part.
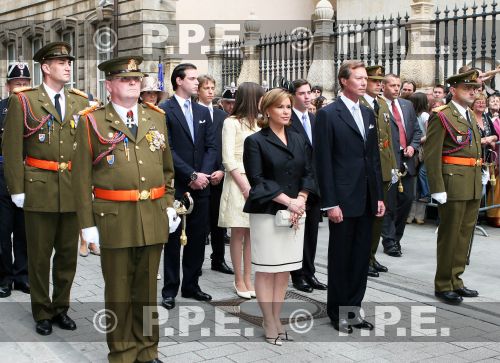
(300, 114)
(51, 93)
(460, 109)
(210, 108)
(349, 103)
(369, 99)
(181, 100)
(122, 112)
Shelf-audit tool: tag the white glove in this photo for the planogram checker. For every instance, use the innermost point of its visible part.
(18, 199)
(394, 176)
(485, 176)
(91, 235)
(173, 220)
(440, 197)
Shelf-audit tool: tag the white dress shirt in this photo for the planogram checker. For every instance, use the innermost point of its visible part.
(210, 108)
(182, 101)
(122, 112)
(300, 115)
(62, 100)
(353, 107)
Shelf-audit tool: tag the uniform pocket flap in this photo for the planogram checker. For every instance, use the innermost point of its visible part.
(102, 209)
(33, 176)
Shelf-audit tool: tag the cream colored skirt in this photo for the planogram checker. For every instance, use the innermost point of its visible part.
(275, 249)
(231, 205)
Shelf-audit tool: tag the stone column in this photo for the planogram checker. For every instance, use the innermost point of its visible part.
(251, 53)
(321, 71)
(419, 64)
(216, 37)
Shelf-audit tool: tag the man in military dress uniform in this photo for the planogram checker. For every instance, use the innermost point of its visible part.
(377, 104)
(12, 234)
(122, 152)
(40, 130)
(453, 160)
(229, 98)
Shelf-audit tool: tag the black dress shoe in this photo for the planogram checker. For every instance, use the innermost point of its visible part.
(379, 267)
(64, 321)
(372, 272)
(363, 324)
(44, 327)
(465, 292)
(5, 290)
(315, 283)
(449, 297)
(393, 250)
(168, 303)
(22, 286)
(342, 326)
(301, 285)
(222, 267)
(197, 295)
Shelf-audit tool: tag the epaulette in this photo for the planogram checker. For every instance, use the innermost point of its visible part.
(439, 108)
(22, 89)
(154, 107)
(88, 110)
(78, 92)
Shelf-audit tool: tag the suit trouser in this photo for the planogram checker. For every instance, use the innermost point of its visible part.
(313, 216)
(130, 294)
(348, 256)
(377, 224)
(46, 231)
(193, 253)
(399, 203)
(12, 239)
(456, 226)
(216, 232)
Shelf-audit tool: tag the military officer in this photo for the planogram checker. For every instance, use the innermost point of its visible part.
(12, 234)
(123, 157)
(378, 105)
(229, 98)
(40, 130)
(453, 160)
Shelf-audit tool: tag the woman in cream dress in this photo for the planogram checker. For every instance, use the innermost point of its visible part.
(237, 127)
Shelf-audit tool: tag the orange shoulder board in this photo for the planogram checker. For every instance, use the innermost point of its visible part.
(154, 107)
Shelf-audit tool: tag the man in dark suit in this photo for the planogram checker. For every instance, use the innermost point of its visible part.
(206, 93)
(194, 153)
(406, 136)
(302, 122)
(348, 174)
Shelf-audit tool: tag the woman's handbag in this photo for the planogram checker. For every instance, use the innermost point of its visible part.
(282, 218)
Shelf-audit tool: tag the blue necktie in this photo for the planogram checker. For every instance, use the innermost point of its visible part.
(307, 126)
(189, 117)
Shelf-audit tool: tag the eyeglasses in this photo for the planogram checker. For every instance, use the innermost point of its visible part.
(128, 79)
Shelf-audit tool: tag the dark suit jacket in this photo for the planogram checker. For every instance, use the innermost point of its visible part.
(218, 122)
(413, 134)
(348, 167)
(188, 157)
(273, 168)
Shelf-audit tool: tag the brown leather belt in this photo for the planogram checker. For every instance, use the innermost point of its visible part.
(129, 195)
(47, 164)
(457, 160)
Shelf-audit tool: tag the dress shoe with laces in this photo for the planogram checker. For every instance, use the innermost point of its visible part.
(362, 324)
(372, 272)
(315, 283)
(44, 327)
(393, 250)
(342, 326)
(22, 286)
(301, 285)
(449, 297)
(197, 295)
(465, 292)
(64, 321)
(168, 302)
(379, 267)
(5, 290)
(222, 267)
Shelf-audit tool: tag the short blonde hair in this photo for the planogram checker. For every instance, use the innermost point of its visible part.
(272, 98)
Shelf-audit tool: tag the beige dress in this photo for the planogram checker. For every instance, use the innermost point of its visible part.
(232, 201)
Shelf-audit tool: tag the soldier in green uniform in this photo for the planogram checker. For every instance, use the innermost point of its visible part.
(123, 158)
(376, 103)
(40, 131)
(453, 159)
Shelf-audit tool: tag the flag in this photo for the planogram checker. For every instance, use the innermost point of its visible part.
(160, 75)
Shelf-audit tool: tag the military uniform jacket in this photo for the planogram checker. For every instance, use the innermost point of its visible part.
(458, 181)
(46, 191)
(3, 113)
(383, 121)
(124, 223)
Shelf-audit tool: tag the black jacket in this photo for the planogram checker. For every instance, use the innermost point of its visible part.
(218, 122)
(273, 168)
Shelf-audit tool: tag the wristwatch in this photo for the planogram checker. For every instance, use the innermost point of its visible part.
(194, 176)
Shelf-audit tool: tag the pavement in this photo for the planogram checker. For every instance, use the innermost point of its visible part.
(410, 325)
